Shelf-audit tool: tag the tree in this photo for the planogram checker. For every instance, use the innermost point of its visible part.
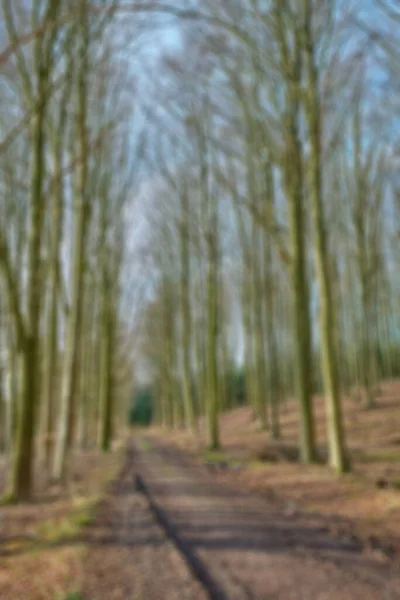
(36, 93)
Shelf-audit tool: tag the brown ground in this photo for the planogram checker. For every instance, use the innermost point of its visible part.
(297, 533)
(356, 504)
(130, 557)
(256, 549)
(41, 548)
(104, 547)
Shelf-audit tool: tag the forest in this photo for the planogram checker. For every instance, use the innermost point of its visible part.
(274, 226)
(200, 206)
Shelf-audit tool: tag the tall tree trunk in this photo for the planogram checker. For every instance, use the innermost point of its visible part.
(51, 351)
(106, 372)
(270, 333)
(260, 384)
(212, 345)
(82, 208)
(293, 177)
(359, 219)
(337, 458)
(21, 475)
(213, 408)
(186, 325)
(300, 298)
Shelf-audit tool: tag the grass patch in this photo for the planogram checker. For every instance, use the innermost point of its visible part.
(70, 596)
(70, 526)
(83, 509)
(215, 456)
(357, 479)
(19, 544)
(218, 457)
(8, 499)
(257, 464)
(145, 445)
(386, 455)
(395, 483)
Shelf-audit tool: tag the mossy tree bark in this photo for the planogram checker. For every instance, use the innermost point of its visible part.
(360, 217)
(81, 220)
(293, 181)
(186, 318)
(51, 345)
(36, 96)
(337, 457)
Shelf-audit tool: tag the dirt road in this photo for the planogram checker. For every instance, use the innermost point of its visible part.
(256, 550)
(129, 555)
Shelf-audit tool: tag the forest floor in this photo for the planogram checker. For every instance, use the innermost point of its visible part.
(255, 547)
(364, 504)
(261, 525)
(42, 545)
(96, 540)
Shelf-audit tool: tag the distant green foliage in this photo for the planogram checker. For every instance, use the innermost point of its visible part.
(391, 354)
(141, 412)
(236, 388)
(71, 596)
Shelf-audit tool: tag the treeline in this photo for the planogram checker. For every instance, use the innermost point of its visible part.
(66, 172)
(275, 215)
(272, 216)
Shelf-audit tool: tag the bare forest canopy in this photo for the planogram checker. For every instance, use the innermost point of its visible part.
(199, 196)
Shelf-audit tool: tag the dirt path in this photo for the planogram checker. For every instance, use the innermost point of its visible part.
(253, 549)
(129, 555)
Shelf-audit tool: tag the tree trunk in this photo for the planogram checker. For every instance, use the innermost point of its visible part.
(106, 390)
(212, 332)
(337, 458)
(293, 181)
(21, 476)
(82, 208)
(186, 325)
(300, 298)
(51, 351)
